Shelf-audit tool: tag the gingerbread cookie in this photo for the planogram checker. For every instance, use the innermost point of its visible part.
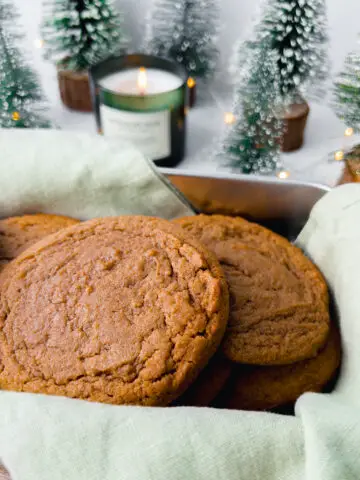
(279, 300)
(124, 310)
(266, 388)
(19, 233)
(209, 384)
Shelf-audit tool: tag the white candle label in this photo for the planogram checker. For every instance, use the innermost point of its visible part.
(148, 131)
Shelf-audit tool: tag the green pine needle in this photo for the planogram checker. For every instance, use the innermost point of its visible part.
(21, 97)
(81, 33)
(253, 144)
(185, 31)
(346, 101)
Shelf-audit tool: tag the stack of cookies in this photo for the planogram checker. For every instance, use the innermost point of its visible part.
(205, 310)
(280, 341)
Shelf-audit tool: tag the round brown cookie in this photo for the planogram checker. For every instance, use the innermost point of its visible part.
(19, 233)
(209, 383)
(123, 310)
(266, 388)
(278, 299)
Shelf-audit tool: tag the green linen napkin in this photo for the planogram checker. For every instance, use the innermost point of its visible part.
(80, 175)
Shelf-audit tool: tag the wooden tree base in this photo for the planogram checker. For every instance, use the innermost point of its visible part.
(75, 90)
(346, 177)
(295, 121)
(351, 173)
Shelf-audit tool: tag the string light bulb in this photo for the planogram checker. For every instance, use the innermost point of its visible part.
(229, 118)
(349, 132)
(191, 82)
(16, 116)
(39, 43)
(283, 174)
(339, 156)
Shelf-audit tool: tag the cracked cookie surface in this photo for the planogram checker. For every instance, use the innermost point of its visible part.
(124, 310)
(19, 233)
(278, 299)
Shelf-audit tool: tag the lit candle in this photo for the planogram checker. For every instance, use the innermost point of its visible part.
(141, 81)
(142, 99)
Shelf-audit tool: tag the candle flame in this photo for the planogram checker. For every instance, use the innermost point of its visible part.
(142, 80)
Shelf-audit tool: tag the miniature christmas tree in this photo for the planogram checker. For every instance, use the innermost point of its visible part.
(20, 93)
(347, 92)
(80, 33)
(295, 30)
(253, 144)
(185, 31)
(298, 34)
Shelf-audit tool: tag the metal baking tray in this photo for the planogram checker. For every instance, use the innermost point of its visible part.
(283, 206)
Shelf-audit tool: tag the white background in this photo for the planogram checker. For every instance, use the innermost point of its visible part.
(324, 132)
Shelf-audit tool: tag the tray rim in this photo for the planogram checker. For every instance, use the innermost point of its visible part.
(256, 179)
